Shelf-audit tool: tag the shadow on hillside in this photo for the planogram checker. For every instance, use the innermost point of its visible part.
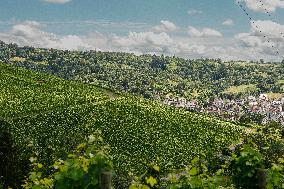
(12, 168)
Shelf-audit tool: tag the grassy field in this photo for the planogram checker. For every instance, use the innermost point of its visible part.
(280, 82)
(240, 89)
(274, 95)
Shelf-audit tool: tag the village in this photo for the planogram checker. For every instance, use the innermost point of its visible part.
(270, 110)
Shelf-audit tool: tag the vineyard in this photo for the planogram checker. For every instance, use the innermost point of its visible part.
(109, 94)
(26, 93)
(55, 116)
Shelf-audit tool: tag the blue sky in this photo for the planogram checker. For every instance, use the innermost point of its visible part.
(187, 28)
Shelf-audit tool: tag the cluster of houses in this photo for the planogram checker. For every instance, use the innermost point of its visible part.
(271, 110)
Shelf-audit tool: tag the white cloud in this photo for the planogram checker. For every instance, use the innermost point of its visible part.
(99, 41)
(29, 33)
(144, 42)
(205, 32)
(165, 26)
(193, 11)
(269, 45)
(267, 28)
(248, 40)
(264, 5)
(73, 42)
(201, 43)
(57, 1)
(228, 22)
(244, 46)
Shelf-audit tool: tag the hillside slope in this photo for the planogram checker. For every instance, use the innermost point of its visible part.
(24, 92)
(151, 76)
(57, 115)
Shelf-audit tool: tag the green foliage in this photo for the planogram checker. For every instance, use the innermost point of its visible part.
(26, 93)
(147, 75)
(139, 130)
(269, 141)
(197, 176)
(276, 176)
(253, 118)
(83, 169)
(149, 180)
(273, 129)
(136, 129)
(245, 170)
(257, 162)
(246, 166)
(57, 115)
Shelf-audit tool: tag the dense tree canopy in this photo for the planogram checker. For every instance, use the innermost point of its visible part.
(147, 75)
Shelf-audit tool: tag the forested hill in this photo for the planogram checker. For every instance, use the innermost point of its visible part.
(151, 76)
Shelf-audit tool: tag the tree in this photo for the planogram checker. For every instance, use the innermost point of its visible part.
(221, 72)
(158, 62)
(251, 118)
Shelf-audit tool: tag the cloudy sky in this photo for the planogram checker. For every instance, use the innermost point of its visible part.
(185, 28)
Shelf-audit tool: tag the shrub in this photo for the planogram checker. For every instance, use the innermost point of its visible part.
(247, 167)
(82, 169)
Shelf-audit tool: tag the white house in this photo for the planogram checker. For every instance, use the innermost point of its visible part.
(253, 103)
(277, 102)
(263, 97)
(251, 98)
